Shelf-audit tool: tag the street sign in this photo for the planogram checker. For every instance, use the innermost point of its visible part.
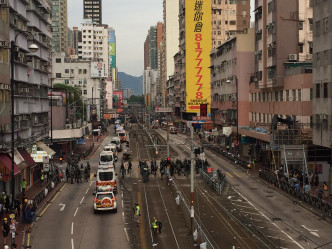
(46, 159)
(46, 167)
(206, 118)
(163, 109)
(203, 109)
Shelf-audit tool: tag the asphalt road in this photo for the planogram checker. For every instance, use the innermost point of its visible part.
(69, 221)
(283, 221)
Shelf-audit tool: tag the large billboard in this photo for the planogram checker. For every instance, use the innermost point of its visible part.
(111, 36)
(111, 49)
(198, 47)
(112, 61)
(109, 94)
(98, 70)
(117, 99)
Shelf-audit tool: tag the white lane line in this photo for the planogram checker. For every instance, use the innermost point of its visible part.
(294, 241)
(72, 228)
(125, 229)
(75, 212)
(123, 216)
(87, 191)
(72, 243)
(90, 183)
(147, 209)
(82, 200)
(169, 220)
(277, 238)
(122, 195)
(250, 213)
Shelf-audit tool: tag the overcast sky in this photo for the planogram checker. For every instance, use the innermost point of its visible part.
(131, 20)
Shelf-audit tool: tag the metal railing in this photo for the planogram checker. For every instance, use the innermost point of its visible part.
(216, 182)
(316, 202)
(40, 196)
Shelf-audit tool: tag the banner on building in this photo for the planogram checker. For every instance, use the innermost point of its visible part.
(111, 36)
(111, 48)
(198, 47)
(112, 61)
(117, 99)
(98, 70)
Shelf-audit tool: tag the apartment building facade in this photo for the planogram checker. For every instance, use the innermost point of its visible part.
(59, 26)
(92, 9)
(322, 78)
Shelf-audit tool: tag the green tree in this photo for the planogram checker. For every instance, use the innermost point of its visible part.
(74, 98)
(136, 99)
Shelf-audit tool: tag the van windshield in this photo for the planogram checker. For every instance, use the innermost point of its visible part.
(106, 158)
(106, 176)
(114, 142)
(122, 134)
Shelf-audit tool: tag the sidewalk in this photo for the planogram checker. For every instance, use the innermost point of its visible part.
(37, 188)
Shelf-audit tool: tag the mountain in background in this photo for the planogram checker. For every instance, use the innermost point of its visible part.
(133, 82)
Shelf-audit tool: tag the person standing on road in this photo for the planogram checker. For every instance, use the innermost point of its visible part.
(137, 213)
(325, 190)
(155, 231)
(5, 230)
(248, 168)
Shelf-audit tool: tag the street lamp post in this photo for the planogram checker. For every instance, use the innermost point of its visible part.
(33, 48)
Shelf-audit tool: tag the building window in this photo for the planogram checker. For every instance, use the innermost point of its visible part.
(300, 47)
(311, 24)
(58, 75)
(326, 24)
(232, 22)
(244, 2)
(66, 82)
(270, 7)
(84, 71)
(325, 89)
(287, 95)
(294, 94)
(311, 49)
(263, 97)
(300, 25)
(66, 70)
(232, 1)
(79, 71)
(299, 95)
(326, 58)
(317, 59)
(276, 96)
(85, 92)
(317, 90)
(58, 60)
(317, 28)
(72, 71)
(271, 72)
(311, 94)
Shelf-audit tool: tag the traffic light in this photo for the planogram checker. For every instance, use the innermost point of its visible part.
(168, 160)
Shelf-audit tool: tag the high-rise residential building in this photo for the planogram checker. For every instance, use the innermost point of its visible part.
(170, 45)
(127, 93)
(94, 45)
(150, 77)
(4, 77)
(93, 10)
(227, 18)
(153, 48)
(59, 26)
(322, 77)
(77, 37)
(146, 51)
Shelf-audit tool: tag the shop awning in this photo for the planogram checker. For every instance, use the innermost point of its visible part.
(44, 147)
(7, 162)
(27, 158)
(19, 160)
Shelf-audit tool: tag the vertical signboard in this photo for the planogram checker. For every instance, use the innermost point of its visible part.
(98, 70)
(112, 48)
(117, 99)
(198, 48)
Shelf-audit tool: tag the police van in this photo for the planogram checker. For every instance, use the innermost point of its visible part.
(106, 158)
(112, 147)
(106, 178)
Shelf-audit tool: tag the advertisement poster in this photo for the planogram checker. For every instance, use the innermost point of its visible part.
(117, 99)
(198, 47)
(98, 70)
(93, 113)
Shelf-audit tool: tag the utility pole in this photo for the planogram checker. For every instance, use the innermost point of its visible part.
(167, 140)
(192, 179)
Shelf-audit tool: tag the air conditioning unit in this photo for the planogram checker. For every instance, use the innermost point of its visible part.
(292, 57)
(273, 45)
(68, 126)
(74, 126)
(323, 116)
(18, 118)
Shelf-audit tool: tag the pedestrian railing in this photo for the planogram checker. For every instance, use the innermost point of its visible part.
(38, 198)
(88, 151)
(216, 182)
(186, 211)
(316, 202)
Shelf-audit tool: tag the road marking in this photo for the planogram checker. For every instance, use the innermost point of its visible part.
(122, 203)
(87, 191)
(251, 213)
(63, 206)
(91, 176)
(229, 174)
(28, 241)
(72, 228)
(312, 231)
(125, 229)
(90, 183)
(72, 243)
(82, 200)
(123, 215)
(237, 174)
(276, 238)
(75, 212)
(142, 235)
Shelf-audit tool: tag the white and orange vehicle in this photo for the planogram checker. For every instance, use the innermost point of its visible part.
(106, 179)
(104, 201)
(123, 136)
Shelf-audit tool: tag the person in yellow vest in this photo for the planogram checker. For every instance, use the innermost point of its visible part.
(155, 231)
(42, 177)
(23, 186)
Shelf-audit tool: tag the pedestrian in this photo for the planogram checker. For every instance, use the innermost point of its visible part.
(154, 228)
(23, 186)
(249, 168)
(42, 177)
(28, 218)
(5, 230)
(137, 213)
(325, 190)
(17, 206)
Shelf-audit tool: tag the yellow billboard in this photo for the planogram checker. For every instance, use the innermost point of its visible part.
(198, 48)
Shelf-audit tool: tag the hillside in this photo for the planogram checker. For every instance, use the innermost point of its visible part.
(133, 82)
